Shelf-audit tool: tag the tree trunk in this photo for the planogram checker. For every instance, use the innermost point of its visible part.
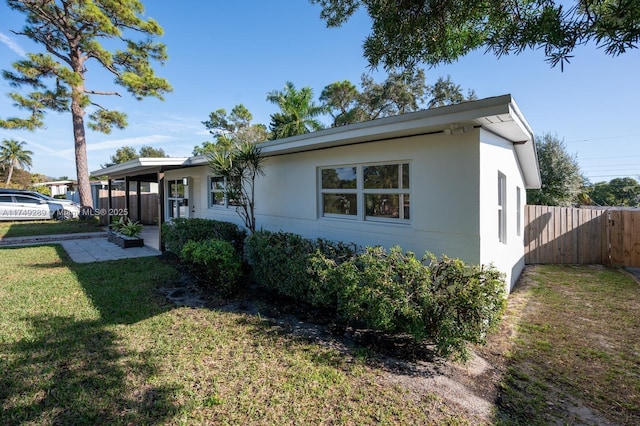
(10, 173)
(82, 169)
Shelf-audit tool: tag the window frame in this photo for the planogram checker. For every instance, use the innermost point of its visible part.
(362, 192)
(210, 192)
(519, 211)
(502, 207)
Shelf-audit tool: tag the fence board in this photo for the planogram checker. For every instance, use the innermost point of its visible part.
(148, 210)
(582, 236)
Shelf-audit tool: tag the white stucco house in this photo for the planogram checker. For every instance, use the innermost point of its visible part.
(447, 180)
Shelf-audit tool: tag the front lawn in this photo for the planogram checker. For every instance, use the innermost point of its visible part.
(94, 344)
(46, 227)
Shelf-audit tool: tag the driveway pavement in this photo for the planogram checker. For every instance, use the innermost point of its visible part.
(84, 248)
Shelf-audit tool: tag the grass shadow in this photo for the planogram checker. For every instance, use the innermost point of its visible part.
(65, 351)
(47, 227)
(74, 372)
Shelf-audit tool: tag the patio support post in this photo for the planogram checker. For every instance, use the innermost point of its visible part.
(127, 204)
(160, 207)
(109, 202)
(139, 197)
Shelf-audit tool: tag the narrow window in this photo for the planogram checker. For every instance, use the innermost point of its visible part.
(216, 188)
(519, 210)
(502, 208)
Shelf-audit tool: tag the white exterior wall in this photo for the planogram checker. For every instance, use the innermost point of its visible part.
(454, 193)
(444, 195)
(497, 155)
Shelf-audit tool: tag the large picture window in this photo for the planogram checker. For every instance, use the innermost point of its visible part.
(366, 192)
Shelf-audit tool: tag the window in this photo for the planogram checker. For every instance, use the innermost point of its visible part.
(502, 211)
(216, 187)
(366, 192)
(218, 195)
(339, 191)
(26, 200)
(519, 211)
(178, 198)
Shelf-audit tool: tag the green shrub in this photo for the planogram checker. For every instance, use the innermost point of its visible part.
(447, 301)
(279, 261)
(217, 261)
(384, 291)
(126, 226)
(468, 302)
(297, 267)
(180, 230)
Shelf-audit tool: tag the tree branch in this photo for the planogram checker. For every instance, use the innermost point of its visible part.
(99, 92)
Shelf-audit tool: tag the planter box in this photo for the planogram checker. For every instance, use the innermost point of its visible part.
(124, 241)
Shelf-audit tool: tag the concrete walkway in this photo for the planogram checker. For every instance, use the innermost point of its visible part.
(84, 247)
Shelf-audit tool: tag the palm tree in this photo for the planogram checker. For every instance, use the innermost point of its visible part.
(13, 154)
(297, 113)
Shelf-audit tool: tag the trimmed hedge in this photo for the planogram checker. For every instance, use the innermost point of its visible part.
(215, 260)
(176, 233)
(295, 266)
(446, 301)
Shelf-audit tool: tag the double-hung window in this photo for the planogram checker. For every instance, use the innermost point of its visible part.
(219, 194)
(339, 191)
(217, 191)
(366, 192)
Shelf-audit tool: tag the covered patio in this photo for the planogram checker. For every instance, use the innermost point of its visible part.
(136, 189)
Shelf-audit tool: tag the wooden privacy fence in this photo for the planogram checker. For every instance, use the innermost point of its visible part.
(582, 236)
(148, 205)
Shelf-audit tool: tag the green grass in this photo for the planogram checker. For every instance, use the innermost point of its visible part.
(576, 344)
(46, 227)
(94, 344)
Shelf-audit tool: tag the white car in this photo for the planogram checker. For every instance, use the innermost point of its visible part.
(17, 206)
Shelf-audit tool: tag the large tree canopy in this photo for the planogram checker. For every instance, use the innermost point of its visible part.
(127, 153)
(405, 32)
(562, 180)
(75, 35)
(237, 123)
(616, 192)
(298, 113)
(401, 92)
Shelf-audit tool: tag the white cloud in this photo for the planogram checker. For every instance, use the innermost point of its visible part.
(11, 44)
(117, 143)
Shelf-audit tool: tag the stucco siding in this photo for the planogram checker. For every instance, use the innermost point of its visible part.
(497, 155)
(444, 195)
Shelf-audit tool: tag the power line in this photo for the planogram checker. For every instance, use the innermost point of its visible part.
(611, 166)
(606, 158)
(603, 138)
(611, 176)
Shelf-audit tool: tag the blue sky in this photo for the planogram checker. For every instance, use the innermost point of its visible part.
(225, 53)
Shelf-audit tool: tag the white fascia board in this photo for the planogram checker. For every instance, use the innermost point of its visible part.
(421, 122)
(499, 114)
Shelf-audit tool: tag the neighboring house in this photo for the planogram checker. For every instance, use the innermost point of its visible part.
(447, 180)
(59, 187)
